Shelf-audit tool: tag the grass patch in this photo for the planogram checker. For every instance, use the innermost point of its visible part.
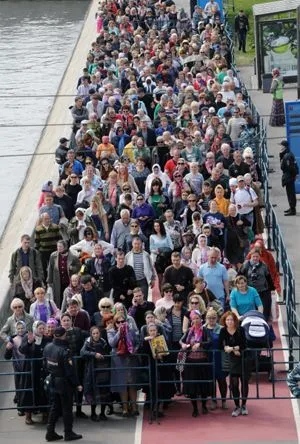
(246, 5)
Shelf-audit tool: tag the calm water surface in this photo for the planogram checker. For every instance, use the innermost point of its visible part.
(36, 42)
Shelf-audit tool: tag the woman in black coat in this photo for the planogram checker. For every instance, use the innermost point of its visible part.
(34, 374)
(97, 374)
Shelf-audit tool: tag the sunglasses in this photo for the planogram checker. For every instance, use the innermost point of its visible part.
(180, 163)
(194, 302)
(168, 291)
(134, 226)
(192, 200)
(73, 177)
(140, 198)
(18, 306)
(126, 189)
(177, 177)
(120, 322)
(105, 306)
(88, 163)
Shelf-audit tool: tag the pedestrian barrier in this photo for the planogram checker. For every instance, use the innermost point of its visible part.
(153, 375)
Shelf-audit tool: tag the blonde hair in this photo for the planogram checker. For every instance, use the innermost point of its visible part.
(202, 306)
(100, 209)
(106, 301)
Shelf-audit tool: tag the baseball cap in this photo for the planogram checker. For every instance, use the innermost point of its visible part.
(240, 179)
(233, 182)
(63, 140)
(284, 143)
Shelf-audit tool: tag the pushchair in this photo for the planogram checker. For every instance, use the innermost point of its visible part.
(257, 333)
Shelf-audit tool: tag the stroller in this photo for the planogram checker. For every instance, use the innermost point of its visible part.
(257, 333)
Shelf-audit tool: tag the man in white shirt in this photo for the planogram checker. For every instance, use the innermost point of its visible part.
(245, 199)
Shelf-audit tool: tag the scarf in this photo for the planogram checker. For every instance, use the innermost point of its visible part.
(27, 285)
(194, 335)
(124, 333)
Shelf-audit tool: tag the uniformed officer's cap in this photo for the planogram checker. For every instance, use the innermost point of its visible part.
(59, 332)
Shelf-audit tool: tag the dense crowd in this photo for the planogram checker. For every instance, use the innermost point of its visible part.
(155, 225)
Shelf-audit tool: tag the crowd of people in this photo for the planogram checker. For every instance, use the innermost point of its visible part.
(155, 225)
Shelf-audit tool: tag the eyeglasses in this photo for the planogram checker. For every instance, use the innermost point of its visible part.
(120, 322)
(18, 306)
(194, 302)
(105, 306)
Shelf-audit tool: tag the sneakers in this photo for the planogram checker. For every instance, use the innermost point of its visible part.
(236, 412)
(244, 410)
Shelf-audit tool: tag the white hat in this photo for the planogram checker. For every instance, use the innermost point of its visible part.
(211, 110)
(233, 182)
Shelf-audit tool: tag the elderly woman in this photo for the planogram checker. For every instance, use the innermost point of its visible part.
(200, 253)
(277, 117)
(43, 309)
(212, 330)
(244, 298)
(25, 288)
(32, 347)
(193, 343)
(19, 314)
(104, 315)
(124, 342)
(120, 308)
(12, 352)
(96, 381)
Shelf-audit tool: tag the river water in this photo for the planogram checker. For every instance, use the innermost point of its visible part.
(36, 41)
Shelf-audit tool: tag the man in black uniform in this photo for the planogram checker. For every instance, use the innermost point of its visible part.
(290, 170)
(63, 379)
(241, 25)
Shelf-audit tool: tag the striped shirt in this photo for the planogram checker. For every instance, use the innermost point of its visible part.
(138, 262)
(177, 328)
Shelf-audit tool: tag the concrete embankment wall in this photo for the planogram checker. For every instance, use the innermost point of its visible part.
(43, 167)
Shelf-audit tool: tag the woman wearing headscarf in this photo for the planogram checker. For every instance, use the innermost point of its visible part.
(222, 203)
(277, 117)
(12, 352)
(186, 259)
(124, 342)
(236, 239)
(19, 314)
(157, 174)
(96, 381)
(73, 288)
(78, 224)
(32, 347)
(193, 343)
(25, 288)
(200, 253)
(51, 325)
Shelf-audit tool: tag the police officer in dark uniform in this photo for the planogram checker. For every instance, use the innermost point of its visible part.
(63, 378)
(290, 170)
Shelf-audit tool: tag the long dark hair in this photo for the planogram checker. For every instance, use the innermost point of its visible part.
(162, 227)
(156, 182)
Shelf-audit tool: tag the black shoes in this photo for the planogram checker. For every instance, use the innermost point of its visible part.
(72, 436)
(53, 436)
(80, 414)
(290, 213)
(195, 413)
